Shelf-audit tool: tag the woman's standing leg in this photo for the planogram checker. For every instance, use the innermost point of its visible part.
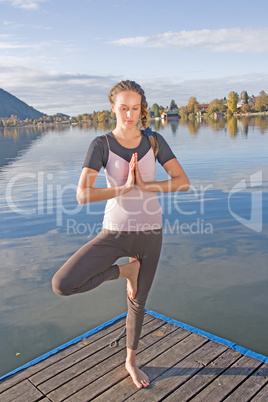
(149, 248)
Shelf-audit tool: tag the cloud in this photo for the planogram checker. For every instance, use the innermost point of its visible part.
(6, 46)
(52, 92)
(162, 90)
(12, 25)
(49, 50)
(73, 94)
(26, 4)
(218, 40)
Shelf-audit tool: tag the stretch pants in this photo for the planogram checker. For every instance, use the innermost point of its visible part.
(94, 263)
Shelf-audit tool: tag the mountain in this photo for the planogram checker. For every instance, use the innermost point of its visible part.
(9, 105)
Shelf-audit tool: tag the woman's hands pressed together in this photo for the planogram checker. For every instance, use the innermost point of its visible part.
(138, 179)
(178, 181)
(134, 175)
(131, 173)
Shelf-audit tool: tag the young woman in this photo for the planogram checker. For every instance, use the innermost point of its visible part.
(132, 224)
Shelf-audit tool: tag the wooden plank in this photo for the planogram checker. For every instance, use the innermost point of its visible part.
(168, 381)
(204, 376)
(181, 366)
(16, 378)
(95, 371)
(229, 380)
(251, 386)
(72, 359)
(24, 391)
(126, 388)
(187, 345)
(262, 396)
(90, 360)
(152, 351)
(90, 348)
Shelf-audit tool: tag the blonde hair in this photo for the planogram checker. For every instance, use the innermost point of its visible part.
(133, 86)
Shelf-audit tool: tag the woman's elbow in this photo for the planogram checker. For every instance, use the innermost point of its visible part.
(80, 196)
(185, 185)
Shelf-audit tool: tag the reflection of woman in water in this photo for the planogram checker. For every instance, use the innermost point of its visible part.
(132, 225)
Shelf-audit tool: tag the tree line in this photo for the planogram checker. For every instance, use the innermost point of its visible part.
(234, 104)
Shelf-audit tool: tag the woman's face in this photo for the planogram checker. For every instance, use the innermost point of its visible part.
(127, 108)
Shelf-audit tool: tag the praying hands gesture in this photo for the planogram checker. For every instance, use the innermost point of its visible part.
(134, 175)
(178, 180)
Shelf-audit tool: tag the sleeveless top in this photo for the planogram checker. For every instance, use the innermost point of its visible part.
(135, 210)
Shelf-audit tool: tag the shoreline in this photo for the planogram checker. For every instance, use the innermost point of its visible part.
(91, 122)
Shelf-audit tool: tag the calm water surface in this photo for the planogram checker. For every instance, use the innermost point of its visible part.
(212, 272)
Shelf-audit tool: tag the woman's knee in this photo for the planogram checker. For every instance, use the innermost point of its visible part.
(59, 286)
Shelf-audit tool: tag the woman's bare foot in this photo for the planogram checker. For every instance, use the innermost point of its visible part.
(139, 378)
(130, 271)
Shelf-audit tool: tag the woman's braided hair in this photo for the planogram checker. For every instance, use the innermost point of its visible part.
(133, 86)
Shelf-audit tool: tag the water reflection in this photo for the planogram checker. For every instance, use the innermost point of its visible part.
(232, 124)
(213, 280)
(15, 140)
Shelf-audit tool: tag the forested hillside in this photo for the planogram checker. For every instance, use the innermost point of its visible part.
(10, 105)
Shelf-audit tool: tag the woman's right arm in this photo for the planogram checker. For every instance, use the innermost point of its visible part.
(86, 192)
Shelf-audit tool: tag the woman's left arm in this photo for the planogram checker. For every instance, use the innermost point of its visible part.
(178, 182)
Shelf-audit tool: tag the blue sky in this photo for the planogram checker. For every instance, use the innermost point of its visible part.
(64, 56)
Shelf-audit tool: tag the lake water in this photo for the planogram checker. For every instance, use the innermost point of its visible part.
(212, 272)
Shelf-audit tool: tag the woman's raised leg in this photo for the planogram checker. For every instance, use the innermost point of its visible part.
(91, 265)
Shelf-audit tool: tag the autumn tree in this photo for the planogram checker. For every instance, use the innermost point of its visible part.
(112, 114)
(261, 102)
(245, 108)
(104, 115)
(12, 121)
(183, 112)
(86, 117)
(232, 102)
(216, 106)
(192, 105)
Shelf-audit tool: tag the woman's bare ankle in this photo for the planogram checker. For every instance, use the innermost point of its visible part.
(126, 270)
(139, 378)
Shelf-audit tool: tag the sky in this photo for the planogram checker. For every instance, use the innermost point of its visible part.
(63, 56)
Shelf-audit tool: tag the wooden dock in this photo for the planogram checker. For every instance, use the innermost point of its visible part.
(182, 366)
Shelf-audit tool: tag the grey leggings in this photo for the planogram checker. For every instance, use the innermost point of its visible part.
(94, 263)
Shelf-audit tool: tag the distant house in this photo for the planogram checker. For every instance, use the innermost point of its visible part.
(203, 108)
(251, 101)
(217, 115)
(170, 115)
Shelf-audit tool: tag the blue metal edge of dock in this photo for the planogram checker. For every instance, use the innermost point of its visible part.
(231, 345)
